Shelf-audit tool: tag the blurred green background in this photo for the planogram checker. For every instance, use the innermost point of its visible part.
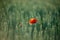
(14, 12)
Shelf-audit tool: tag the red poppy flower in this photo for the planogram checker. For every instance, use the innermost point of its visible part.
(32, 20)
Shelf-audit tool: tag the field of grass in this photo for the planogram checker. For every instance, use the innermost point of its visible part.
(14, 12)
